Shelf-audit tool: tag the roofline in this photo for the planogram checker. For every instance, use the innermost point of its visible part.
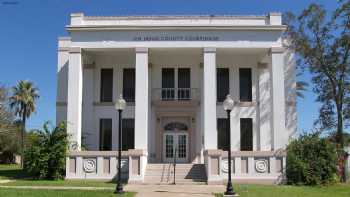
(167, 17)
(71, 28)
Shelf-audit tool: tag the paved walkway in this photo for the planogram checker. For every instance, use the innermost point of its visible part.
(146, 190)
(175, 190)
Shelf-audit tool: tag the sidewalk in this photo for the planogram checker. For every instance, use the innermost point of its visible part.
(146, 190)
(175, 190)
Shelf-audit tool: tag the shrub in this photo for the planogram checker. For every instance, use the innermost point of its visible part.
(311, 160)
(46, 157)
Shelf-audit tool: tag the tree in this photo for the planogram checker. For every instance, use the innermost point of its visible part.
(322, 43)
(311, 160)
(46, 157)
(9, 130)
(23, 101)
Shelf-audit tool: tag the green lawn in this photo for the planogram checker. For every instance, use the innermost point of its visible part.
(340, 190)
(58, 193)
(10, 171)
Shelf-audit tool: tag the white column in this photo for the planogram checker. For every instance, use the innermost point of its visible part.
(264, 107)
(141, 99)
(209, 98)
(278, 98)
(88, 129)
(75, 92)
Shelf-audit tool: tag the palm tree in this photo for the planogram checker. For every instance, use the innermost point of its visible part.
(23, 102)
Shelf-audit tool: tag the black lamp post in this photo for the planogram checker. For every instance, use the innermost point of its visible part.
(228, 106)
(119, 106)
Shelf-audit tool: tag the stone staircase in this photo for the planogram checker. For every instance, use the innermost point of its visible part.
(185, 174)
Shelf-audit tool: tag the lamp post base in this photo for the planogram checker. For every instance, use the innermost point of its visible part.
(119, 189)
(229, 189)
(230, 195)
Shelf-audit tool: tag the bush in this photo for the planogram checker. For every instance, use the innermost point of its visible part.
(311, 160)
(46, 157)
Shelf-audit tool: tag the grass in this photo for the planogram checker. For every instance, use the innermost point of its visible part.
(59, 193)
(340, 190)
(11, 171)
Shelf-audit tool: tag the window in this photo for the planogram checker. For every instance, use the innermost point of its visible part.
(246, 134)
(106, 85)
(129, 84)
(223, 83)
(105, 134)
(128, 134)
(168, 83)
(245, 84)
(223, 141)
(184, 83)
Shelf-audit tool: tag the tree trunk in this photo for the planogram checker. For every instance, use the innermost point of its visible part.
(340, 142)
(22, 136)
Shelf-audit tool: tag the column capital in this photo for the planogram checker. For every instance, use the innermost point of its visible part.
(74, 50)
(141, 50)
(276, 50)
(209, 50)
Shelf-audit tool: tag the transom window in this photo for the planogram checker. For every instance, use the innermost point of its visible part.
(175, 125)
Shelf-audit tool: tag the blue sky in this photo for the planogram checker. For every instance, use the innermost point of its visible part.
(29, 31)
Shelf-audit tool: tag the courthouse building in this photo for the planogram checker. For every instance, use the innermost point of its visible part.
(174, 73)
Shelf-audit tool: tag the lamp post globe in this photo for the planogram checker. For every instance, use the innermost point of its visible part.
(228, 106)
(228, 103)
(119, 106)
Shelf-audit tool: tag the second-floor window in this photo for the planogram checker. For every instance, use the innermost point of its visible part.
(245, 84)
(184, 84)
(168, 83)
(223, 83)
(129, 84)
(106, 91)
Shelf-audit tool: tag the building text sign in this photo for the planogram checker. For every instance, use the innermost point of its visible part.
(176, 38)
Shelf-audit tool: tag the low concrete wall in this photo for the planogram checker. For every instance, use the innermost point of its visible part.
(103, 165)
(263, 167)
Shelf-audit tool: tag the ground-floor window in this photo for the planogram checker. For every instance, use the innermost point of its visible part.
(223, 140)
(128, 134)
(105, 134)
(246, 134)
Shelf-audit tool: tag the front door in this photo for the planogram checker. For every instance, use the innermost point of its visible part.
(175, 143)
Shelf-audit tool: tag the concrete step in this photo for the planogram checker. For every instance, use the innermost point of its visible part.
(185, 174)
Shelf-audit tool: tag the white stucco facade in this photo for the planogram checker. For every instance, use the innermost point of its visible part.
(200, 43)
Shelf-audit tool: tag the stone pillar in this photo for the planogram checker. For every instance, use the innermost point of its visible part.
(75, 92)
(209, 98)
(141, 99)
(278, 98)
(264, 106)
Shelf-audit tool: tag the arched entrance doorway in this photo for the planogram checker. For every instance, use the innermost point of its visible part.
(175, 142)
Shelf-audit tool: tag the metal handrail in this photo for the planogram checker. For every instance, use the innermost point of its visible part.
(174, 165)
(175, 94)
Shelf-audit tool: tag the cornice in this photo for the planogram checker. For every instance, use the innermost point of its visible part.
(71, 28)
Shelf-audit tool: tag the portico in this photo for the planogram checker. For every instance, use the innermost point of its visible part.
(173, 72)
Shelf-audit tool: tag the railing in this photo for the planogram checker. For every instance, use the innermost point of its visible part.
(175, 94)
(174, 166)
